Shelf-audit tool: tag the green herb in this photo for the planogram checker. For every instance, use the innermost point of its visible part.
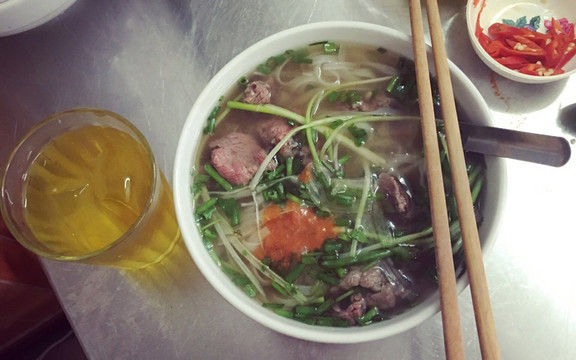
(296, 271)
(360, 135)
(211, 121)
(243, 81)
(300, 56)
(231, 208)
(330, 48)
(217, 177)
(284, 313)
(207, 208)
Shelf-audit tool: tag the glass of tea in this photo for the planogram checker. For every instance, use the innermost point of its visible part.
(83, 185)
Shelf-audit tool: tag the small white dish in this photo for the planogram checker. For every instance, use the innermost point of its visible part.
(17, 16)
(480, 14)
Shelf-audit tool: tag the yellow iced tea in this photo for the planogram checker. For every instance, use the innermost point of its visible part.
(95, 189)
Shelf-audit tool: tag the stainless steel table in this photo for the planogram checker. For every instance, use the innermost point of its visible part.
(148, 60)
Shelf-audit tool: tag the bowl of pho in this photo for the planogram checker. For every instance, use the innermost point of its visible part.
(300, 184)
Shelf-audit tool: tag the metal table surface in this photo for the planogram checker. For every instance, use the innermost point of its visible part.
(148, 60)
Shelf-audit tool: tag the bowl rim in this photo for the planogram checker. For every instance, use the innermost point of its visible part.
(500, 69)
(183, 165)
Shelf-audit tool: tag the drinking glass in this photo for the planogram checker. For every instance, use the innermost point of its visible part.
(83, 185)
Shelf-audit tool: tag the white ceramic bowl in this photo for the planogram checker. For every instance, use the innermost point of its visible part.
(244, 63)
(17, 16)
(487, 12)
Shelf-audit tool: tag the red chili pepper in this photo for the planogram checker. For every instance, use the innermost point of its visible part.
(500, 30)
(528, 51)
(512, 62)
(566, 55)
(552, 54)
(524, 45)
(484, 40)
(494, 48)
(539, 70)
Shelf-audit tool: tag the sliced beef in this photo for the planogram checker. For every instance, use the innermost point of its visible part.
(373, 279)
(272, 131)
(382, 288)
(395, 195)
(384, 299)
(356, 309)
(237, 157)
(257, 92)
(351, 279)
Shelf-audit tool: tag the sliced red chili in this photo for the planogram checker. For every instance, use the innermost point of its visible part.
(539, 70)
(500, 30)
(495, 47)
(512, 62)
(484, 40)
(528, 51)
(567, 54)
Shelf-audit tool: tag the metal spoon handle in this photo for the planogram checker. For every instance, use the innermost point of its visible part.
(519, 145)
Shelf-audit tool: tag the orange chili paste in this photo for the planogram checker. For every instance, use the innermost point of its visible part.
(292, 230)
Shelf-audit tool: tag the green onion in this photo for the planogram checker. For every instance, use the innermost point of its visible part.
(307, 320)
(336, 123)
(294, 198)
(211, 121)
(345, 295)
(309, 258)
(295, 272)
(341, 272)
(206, 209)
(322, 213)
(360, 135)
(476, 188)
(319, 174)
(264, 69)
(217, 177)
(279, 59)
(342, 222)
(231, 208)
(289, 165)
(284, 313)
(279, 288)
(345, 200)
(300, 56)
(333, 96)
(210, 248)
(332, 321)
(332, 246)
(243, 81)
(358, 235)
(200, 181)
(250, 290)
(344, 159)
(325, 306)
(330, 48)
(329, 279)
(272, 305)
(305, 310)
(367, 318)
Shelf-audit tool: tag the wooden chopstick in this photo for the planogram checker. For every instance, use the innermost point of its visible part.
(473, 254)
(453, 342)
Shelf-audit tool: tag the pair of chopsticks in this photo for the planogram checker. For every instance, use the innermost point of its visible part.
(453, 341)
